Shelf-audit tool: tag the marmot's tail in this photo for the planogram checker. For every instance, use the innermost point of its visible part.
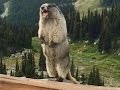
(69, 76)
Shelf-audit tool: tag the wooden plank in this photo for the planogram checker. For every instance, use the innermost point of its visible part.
(14, 83)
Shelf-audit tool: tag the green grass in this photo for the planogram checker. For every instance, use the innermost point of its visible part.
(85, 56)
(36, 44)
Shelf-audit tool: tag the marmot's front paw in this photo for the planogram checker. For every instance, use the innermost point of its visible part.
(42, 39)
(52, 44)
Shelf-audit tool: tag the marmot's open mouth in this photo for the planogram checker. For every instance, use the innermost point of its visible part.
(45, 13)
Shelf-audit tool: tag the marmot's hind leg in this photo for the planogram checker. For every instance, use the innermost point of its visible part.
(60, 79)
(62, 68)
(52, 73)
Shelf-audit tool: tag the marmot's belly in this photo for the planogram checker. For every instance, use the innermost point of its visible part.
(60, 51)
(50, 52)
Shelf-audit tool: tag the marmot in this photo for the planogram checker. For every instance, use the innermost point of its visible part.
(53, 35)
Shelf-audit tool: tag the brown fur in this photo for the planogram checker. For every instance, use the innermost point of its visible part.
(53, 35)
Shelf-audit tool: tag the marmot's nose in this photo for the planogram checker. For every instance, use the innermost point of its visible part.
(44, 7)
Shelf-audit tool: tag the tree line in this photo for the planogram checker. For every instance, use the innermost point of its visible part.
(102, 28)
(13, 38)
(109, 2)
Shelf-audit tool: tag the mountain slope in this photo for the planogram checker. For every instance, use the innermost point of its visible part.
(84, 5)
(26, 12)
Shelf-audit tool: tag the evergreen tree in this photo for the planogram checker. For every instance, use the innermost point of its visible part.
(28, 64)
(17, 69)
(20, 73)
(11, 73)
(2, 67)
(97, 80)
(94, 77)
(91, 79)
(42, 64)
(42, 75)
(103, 83)
(77, 74)
(105, 40)
(72, 68)
(24, 59)
(76, 27)
(83, 79)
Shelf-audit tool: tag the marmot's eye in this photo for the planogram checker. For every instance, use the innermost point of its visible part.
(49, 6)
(52, 5)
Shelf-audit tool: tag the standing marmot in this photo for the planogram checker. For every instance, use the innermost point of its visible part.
(53, 35)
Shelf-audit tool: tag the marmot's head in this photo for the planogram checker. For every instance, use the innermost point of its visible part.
(50, 11)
